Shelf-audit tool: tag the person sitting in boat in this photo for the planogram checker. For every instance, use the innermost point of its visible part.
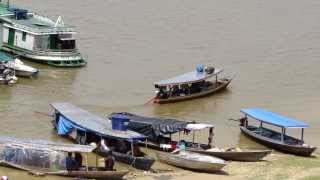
(103, 147)
(121, 147)
(109, 162)
(182, 145)
(210, 138)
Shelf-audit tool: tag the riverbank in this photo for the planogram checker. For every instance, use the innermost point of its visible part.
(275, 166)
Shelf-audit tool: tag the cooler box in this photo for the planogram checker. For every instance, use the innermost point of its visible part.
(119, 122)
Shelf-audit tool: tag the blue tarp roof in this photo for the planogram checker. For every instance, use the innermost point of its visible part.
(189, 77)
(273, 118)
(83, 120)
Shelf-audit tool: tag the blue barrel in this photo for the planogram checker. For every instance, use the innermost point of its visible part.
(119, 122)
(200, 68)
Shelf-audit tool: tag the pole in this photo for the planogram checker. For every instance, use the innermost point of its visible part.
(86, 159)
(282, 134)
(302, 131)
(260, 127)
(179, 135)
(132, 147)
(192, 137)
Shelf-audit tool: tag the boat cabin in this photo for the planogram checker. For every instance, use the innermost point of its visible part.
(38, 38)
(7, 70)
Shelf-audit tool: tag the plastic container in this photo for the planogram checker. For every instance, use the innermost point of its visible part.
(119, 122)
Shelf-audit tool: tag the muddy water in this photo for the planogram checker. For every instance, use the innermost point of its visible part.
(272, 48)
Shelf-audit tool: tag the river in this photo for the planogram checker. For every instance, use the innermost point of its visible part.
(271, 47)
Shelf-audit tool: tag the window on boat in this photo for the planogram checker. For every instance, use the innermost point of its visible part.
(62, 41)
(24, 36)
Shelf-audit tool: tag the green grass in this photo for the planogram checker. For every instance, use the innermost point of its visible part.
(312, 178)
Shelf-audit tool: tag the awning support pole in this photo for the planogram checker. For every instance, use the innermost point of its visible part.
(132, 147)
(179, 136)
(282, 138)
(302, 131)
(193, 137)
(86, 159)
(260, 127)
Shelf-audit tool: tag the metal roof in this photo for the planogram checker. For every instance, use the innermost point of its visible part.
(273, 118)
(93, 123)
(190, 77)
(36, 24)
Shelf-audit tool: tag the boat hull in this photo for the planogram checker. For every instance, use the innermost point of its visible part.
(222, 84)
(286, 148)
(82, 174)
(142, 163)
(191, 164)
(59, 59)
(243, 155)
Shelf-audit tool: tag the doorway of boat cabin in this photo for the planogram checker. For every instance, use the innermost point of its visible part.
(11, 37)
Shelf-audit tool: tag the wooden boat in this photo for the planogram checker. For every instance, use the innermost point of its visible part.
(234, 154)
(192, 161)
(84, 128)
(157, 130)
(194, 84)
(271, 138)
(40, 157)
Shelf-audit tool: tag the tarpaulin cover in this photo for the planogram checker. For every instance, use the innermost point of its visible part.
(80, 118)
(65, 126)
(153, 127)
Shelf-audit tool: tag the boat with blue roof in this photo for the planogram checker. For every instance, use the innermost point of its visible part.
(85, 128)
(191, 85)
(280, 141)
(38, 38)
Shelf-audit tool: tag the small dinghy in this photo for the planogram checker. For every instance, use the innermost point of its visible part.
(23, 70)
(192, 161)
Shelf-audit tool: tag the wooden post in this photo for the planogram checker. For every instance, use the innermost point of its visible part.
(302, 131)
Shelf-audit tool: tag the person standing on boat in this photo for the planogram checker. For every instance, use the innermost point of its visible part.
(210, 138)
(70, 162)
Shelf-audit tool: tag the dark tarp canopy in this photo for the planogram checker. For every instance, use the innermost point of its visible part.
(153, 127)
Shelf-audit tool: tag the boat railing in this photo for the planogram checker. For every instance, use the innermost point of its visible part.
(55, 51)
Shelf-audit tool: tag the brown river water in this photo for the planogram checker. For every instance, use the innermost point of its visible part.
(272, 48)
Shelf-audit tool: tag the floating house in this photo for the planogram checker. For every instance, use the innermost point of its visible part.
(38, 38)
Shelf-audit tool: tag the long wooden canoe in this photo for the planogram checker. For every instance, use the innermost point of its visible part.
(272, 142)
(95, 174)
(236, 155)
